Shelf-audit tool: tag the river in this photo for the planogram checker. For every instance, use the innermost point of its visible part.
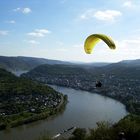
(83, 110)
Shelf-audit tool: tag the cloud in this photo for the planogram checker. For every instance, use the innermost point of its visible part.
(128, 4)
(88, 14)
(17, 9)
(2, 32)
(60, 43)
(39, 33)
(132, 42)
(25, 10)
(106, 15)
(11, 21)
(33, 42)
(78, 46)
(127, 49)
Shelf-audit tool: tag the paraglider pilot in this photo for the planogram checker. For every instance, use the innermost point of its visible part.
(98, 84)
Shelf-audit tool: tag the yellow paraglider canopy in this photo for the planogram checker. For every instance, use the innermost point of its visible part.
(93, 39)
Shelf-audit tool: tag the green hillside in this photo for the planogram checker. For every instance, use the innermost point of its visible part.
(21, 63)
(23, 101)
(120, 80)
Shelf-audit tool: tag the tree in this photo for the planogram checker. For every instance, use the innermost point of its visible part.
(79, 134)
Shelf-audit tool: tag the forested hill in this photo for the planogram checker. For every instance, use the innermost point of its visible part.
(21, 63)
(77, 73)
(23, 101)
(120, 80)
(64, 75)
(12, 85)
(24, 64)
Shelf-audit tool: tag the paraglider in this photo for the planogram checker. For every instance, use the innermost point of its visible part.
(93, 39)
(98, 84)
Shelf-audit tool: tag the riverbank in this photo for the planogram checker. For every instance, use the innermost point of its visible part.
(103, 92)
(118, 81)
(127, 128)
(25, 118)
(83, 110)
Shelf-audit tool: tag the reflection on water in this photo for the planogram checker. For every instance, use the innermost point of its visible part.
(84, 109)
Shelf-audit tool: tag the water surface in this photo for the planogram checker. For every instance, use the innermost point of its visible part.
(83, 110)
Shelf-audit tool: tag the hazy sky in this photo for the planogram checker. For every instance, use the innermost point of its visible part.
(57, 29)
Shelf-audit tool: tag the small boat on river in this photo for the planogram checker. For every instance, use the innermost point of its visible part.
(64, 131)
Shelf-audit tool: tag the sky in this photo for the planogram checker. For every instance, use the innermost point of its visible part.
(57, 29)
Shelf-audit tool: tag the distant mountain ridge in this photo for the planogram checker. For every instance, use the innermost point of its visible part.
(126, 68)
(21, 63)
